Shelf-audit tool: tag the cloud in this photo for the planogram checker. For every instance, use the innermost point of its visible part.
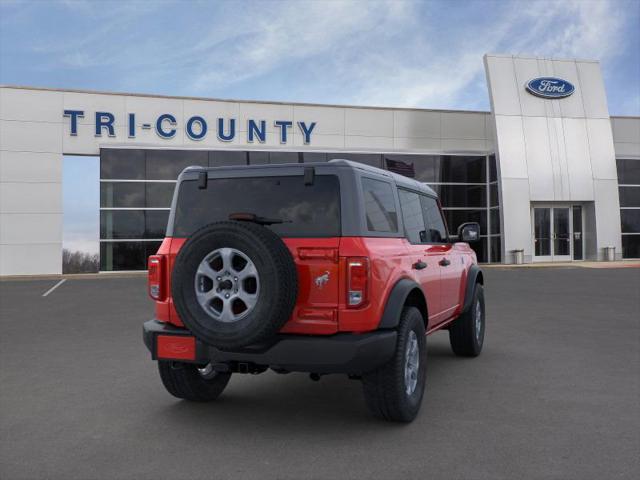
(392, 53)
(275, 38)
(560, 29)
(389, 55)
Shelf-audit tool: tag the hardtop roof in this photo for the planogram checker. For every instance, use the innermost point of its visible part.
(399, 180)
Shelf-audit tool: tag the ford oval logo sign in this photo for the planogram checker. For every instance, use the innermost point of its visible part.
(550, 87)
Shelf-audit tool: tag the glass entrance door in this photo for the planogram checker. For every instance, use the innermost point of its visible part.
(557, 233)
(561, 234)
(542, 233)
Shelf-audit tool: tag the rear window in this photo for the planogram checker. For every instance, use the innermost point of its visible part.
(307, 210)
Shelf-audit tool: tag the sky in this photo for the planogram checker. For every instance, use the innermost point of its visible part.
(81, 203)
(380, 53)
(390, 53)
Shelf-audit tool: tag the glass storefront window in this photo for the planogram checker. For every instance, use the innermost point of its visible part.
(494, 199)
(495, 220)
(133, 224)
(439, 168)
(496, 251)
(258, 158)
(460, 180)
(167, 164)
(136, 194)
(493, 169)
(122, 194)
(221, 158)
(421, 167)
(471, 196)
(159, 194)
(628, 171)
(629, 196)
(122, 164)
(308, 157)
(126, 255)
(631, 246)
(284, 157)
(462, 169)
(630, 221)
(122, 224)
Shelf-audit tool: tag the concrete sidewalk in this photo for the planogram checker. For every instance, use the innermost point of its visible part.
(585, 264)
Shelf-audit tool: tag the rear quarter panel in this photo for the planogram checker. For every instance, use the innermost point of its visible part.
(390, 261)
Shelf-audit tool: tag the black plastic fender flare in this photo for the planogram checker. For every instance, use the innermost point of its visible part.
(396, 301)
(474, 276)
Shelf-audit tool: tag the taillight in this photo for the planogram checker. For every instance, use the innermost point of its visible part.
(156, 277)
(357, 281)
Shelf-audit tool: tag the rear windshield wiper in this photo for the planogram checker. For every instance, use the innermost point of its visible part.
(252, 217)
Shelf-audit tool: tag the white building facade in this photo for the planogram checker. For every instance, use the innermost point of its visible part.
(547, 172)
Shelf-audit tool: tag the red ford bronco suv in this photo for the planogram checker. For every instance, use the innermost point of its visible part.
(332, 267)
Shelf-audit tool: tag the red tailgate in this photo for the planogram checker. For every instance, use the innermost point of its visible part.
(316, 311)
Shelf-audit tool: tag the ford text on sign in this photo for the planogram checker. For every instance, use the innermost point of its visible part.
(550, 87)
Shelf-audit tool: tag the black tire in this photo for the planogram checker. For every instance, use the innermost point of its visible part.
(465, 337)
(385, 389)
(183, 380)
(276, 296)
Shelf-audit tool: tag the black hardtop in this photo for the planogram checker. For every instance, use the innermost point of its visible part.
(332, 166)
(349, 173)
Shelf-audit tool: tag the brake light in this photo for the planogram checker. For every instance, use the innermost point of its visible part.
(156, 277)
(357, 281)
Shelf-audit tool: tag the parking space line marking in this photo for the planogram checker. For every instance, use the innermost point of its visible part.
(54, 287)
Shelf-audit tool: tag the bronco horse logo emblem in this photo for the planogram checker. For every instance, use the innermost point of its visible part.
(322, 280)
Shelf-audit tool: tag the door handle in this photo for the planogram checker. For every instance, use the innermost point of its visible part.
(419, 265)
(444, 262)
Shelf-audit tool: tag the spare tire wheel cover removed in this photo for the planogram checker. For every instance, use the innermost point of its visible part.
(234, 284)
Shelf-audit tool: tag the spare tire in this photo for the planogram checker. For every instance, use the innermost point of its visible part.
(234, 284)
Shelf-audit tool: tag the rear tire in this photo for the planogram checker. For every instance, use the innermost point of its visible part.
(389, 392)
(466, 333)
(186, 381)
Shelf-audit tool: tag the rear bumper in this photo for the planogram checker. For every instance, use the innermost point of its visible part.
(340, 353)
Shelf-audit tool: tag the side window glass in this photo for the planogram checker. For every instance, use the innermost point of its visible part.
(412, 216)
(380, 206)
(436, 231)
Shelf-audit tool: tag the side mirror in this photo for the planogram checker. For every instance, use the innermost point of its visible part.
(469, 232)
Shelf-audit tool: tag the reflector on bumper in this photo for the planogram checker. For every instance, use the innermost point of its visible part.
(173, 347)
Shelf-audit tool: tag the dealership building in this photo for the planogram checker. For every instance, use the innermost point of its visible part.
(548, 173)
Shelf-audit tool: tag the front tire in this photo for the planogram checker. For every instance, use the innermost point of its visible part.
(395, 390)
(189, 382)
(466, 333)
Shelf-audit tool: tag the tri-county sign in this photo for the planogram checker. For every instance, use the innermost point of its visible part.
(196, 127)
(550, 87)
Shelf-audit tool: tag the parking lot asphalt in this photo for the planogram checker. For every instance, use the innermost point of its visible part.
(555, 394)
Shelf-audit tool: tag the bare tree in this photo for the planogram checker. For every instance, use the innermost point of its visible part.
(79, 262)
